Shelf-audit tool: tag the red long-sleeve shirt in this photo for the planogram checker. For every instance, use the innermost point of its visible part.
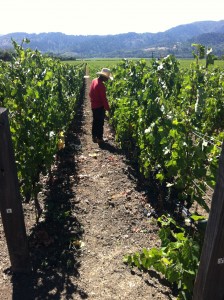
(97, 94)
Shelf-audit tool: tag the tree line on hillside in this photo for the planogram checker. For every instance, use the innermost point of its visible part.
(176, 41)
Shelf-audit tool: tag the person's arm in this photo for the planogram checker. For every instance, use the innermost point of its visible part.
(104, 97)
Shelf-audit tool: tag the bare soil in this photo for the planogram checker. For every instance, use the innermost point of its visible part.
(93, 213)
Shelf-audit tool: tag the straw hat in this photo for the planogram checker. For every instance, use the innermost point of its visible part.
(105, 72)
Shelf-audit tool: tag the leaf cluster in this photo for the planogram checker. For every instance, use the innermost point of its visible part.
(40, 94)
(177, 258)
(171, 119)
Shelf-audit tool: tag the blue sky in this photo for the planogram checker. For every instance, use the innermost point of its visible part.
(88, 17)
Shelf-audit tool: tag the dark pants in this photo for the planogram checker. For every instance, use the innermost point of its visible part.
(98, 122)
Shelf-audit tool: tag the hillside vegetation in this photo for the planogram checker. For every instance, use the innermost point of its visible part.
(176, 41)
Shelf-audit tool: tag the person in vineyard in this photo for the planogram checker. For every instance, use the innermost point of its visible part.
(99, 103)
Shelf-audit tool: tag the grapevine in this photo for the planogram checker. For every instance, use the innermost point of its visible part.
(40, 94)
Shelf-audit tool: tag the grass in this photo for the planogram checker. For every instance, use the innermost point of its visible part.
(99, 63)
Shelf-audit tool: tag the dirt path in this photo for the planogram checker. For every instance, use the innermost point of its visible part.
(106, 221)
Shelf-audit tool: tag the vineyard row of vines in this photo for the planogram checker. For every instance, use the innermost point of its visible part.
(171, 121)
(40, 94)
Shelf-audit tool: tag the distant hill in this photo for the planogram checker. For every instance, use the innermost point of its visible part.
(175, 41)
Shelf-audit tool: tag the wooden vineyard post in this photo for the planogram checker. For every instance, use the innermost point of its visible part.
(209, 282)
(10, 201)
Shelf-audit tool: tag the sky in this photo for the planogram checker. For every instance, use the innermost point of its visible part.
(90, 17)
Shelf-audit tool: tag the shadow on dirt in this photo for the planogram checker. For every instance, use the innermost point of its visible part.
(110, 148)
(55, 241)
